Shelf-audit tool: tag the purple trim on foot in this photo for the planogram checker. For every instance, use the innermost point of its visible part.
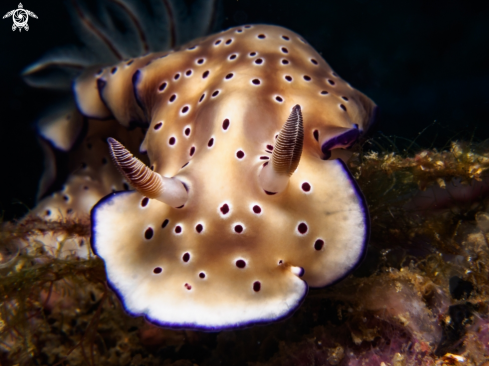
(366, 218)
(346, 139)
(109, 200)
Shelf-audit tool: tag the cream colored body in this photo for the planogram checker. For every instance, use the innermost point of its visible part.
(212, 124)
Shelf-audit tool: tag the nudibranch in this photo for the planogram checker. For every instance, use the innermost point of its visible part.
(92, 176)
(242, 204)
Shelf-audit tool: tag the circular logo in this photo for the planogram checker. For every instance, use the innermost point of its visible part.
(20, 17)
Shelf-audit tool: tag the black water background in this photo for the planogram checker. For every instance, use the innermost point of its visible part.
(421, 61)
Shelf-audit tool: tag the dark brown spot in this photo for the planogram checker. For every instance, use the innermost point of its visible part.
(199, 228)
(172, 98)
(240, 154)
(187, 286)
(69, 211)
(238, 229)
(158, 125)
(205, 74)
(202, 97)
(345, 98)
(188, 72)
(261, 36)
(324, 92)
(165, 223)
(343, 107)
(144, 202)
(125, 186)
(187, 131)
(252, 54)
(307, 78)
(285, 62)
(288, 78)
(240, 263)
(331, 82)
(218, 42)
(286, 38)
(247, 26)
(183, 166)
(284, 50)
(256, 81)
(229, 76)
(256, 209)
(185, 109)
(270, 147)
(259, 61)
(192, 150)
(306, 187)
(302, 228)
(48, 212)
(256, 286)
(202, 275)
(225, 124)
(177, 76)
(264, 158)
(186, 257)
(66, 198)
(148, 234)
(316, 135)
(224, 209)
(215, 94)
(152, 167)
(104, 161)
(314, 61)
(172, 140)
(211, 142)
(178, 229)
(113, 71)
(162, 86)
(318, 245)
(279, 99)
(229, 41)
(239, 31)
(200, 61)
(157, 270)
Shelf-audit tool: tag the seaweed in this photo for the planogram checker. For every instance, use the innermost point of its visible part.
(420, 297)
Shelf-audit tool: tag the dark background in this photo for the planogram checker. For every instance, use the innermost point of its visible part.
(425, 63)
